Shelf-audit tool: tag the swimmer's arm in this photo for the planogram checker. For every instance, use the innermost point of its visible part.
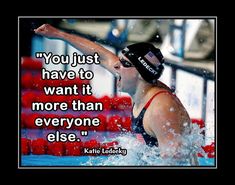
(168, 127)
(107, 58)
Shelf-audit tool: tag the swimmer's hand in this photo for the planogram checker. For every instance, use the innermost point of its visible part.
(49, 31)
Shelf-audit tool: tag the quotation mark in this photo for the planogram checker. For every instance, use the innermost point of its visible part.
(38, 55)
(84, 133)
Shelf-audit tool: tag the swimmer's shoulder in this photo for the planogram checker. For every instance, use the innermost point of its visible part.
(161, 86)
(163, 103)
(163, 99)
(166, 105)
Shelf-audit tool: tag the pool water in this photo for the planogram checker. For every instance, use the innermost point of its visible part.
(48, 160)
(138, 153)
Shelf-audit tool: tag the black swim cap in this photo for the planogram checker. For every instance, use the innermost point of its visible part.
(142, 55)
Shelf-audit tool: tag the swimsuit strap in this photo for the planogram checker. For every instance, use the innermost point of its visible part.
(151, 99)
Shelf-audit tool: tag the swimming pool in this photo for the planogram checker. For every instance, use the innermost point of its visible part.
(138, 153)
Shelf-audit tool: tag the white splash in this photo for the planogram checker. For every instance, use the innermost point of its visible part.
(172, 109)
(168, 123)
(139, 154)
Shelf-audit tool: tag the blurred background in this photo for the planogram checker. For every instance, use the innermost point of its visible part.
(188, 46)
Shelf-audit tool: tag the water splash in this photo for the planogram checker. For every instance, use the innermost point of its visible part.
(139, 154)
(172, 109)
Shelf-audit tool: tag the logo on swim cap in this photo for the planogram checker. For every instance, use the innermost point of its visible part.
(152, 58)
(150, 69)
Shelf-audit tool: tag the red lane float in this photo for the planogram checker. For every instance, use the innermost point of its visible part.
(200, 122)
(73, 148)
(56, 148)
(30, 63)
(22, 120)
(25, 146)
(114, 123)
(126, 124)
(41, 147)
(117, 123)
(209, 150)
(37, 82)
(29, 121)
(106, 102)
(27, 98)
(26, 80)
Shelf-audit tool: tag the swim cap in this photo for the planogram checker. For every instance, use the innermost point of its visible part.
(142, 55)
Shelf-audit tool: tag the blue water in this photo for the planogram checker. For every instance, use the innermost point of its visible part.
(48, 160)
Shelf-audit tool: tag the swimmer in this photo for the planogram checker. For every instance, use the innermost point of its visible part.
(158, 116)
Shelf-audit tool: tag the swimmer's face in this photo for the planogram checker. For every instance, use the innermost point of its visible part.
(127, 75)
